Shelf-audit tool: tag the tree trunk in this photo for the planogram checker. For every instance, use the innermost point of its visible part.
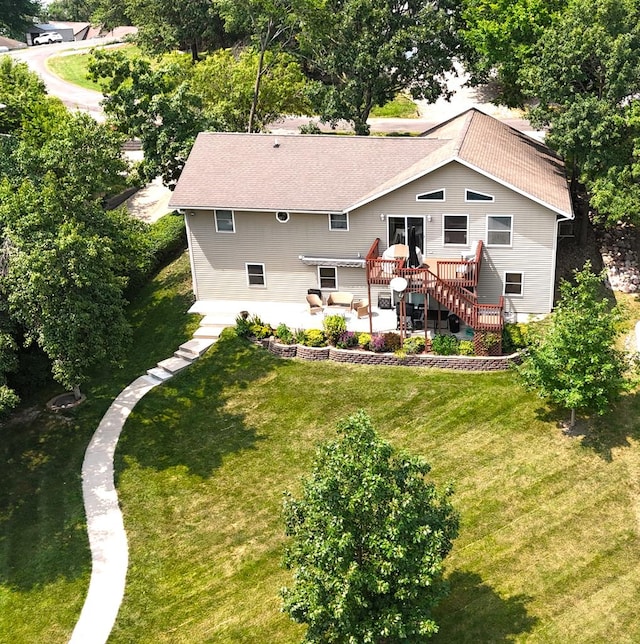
(572, 422)
(256, 87)
(194, 53)
(76, 392)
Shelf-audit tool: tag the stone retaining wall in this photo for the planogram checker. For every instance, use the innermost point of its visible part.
(462, 363)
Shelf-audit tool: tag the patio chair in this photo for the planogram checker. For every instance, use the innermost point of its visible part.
(361, 308)
(315, 304)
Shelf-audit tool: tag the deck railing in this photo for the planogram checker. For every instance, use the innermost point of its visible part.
(449, 285)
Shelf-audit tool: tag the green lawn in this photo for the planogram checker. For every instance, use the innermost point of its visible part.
(402, 107)
(549, 542)
(73, 68)
(548, 547)
(44, 553)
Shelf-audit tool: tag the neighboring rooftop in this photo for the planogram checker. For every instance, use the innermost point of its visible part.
(320, 173)
(10, 43)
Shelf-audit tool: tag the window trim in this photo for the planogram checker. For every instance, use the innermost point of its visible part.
(283, 212)
(444, 242)
(406, 218)
(490, 245)
(339, 230)
(335, 274)
(467, 199)
(264, 274)
(421, 197)
(233, 221)
(504, 284)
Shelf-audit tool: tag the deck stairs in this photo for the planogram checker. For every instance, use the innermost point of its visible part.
(455, 292)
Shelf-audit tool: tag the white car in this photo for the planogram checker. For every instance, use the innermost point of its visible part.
(47, 38)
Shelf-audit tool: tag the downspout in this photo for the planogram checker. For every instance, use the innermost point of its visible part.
(555, 257)
(194, 278)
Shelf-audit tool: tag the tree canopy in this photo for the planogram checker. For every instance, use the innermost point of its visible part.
(167, 102)
(368, 538)
(64, 261)
(501, 37)
(575, 364)
(583, 74)
(16, 16)
(361, 53)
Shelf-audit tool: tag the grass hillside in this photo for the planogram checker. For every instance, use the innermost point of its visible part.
(44, 551)
(549, 537)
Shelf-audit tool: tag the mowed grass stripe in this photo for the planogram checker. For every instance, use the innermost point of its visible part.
(203, 462)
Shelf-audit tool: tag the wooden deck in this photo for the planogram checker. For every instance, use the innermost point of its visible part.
(451, 282)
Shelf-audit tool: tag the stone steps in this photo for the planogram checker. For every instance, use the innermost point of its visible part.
(185, 355)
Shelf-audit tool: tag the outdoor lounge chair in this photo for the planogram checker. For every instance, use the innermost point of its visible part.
(315, 304)
(361, 308)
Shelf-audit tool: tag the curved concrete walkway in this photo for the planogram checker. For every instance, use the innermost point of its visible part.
(105, 527)
(107, 538)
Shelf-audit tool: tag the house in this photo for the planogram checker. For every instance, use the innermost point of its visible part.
(269, 217)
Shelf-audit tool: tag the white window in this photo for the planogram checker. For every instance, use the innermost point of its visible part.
(282, 217)
(499, 230)
(224, 221)
(513, 284)
(338, 221)
(328, 277)
(256, 275)
(473, 195)
(455, 229)
(434, 195)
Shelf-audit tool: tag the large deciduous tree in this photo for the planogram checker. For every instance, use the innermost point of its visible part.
(152, 102)
(65, 272)
(585, 76)
(501, 37)
(575, 364)
(271, 25)
(167, 103)
(225, 82)
(361, 53)
(21, 92)
(368, 538)
(16, 16)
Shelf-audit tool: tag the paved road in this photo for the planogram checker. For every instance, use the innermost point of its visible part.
(463, 97)
(72, 96)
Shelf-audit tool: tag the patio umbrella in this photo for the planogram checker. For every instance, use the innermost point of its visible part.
(413, 261)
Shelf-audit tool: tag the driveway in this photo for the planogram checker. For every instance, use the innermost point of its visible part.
(73, 96)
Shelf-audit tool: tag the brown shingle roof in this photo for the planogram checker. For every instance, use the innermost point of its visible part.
(319, 173)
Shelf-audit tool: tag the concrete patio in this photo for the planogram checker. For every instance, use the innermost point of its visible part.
(222, 313)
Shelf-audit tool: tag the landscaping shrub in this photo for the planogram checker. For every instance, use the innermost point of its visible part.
(315, 338)
(444, 345)
(466, 348)
(487, 341)
(167, 240)
(284, 334)
(364, 340)
(252, 326)
(299, 336)
(392, 342)
(334, 326)
(515, 337)
(243, 326)
(376, 343)
(347, 340)
(414, 344)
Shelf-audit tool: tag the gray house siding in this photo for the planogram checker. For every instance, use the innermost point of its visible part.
(219, 259)
(531, 253)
